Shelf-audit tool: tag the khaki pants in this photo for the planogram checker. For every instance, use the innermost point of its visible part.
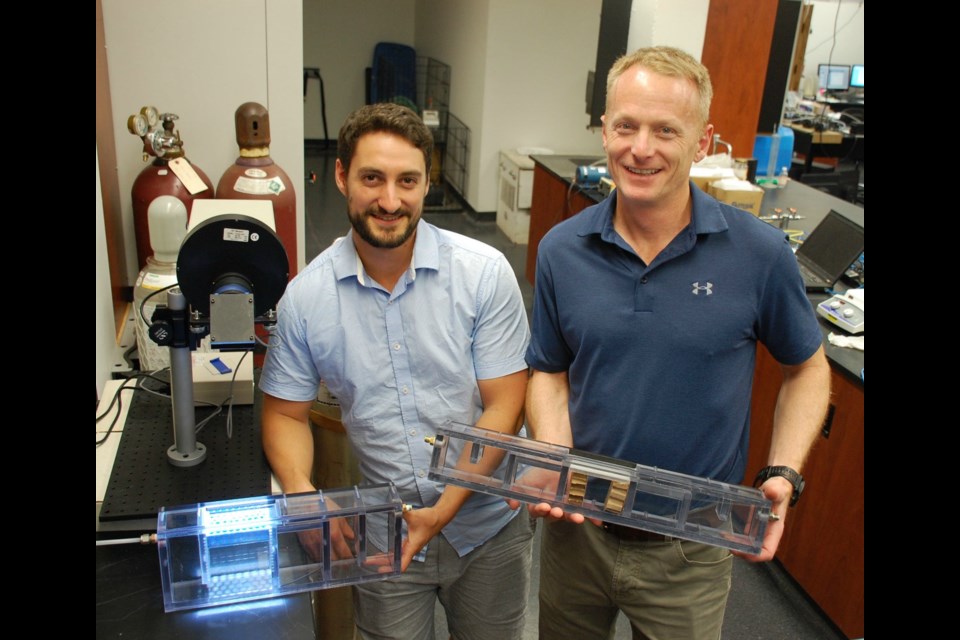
(483, 593)
(671, 589)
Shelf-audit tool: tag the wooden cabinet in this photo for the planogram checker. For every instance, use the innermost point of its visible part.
(822, 547)
(553, 202)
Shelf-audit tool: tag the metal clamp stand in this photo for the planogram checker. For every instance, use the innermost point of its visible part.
(170, 328)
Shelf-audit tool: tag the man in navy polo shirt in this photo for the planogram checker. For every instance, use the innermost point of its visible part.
(648, 309)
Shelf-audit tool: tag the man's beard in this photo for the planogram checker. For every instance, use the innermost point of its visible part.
(364, 228)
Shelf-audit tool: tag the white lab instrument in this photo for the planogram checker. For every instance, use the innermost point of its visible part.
(844, 310)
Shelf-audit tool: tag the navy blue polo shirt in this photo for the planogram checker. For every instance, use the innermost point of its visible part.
(661, 357)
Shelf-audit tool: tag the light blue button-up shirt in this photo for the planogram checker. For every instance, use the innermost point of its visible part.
(403, 363)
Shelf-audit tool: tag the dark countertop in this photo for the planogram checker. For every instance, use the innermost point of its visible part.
(811, 203)
(129, 591)
(130, 606)
(564, 167)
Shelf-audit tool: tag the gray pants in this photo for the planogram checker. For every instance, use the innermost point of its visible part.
(668, 590)
(484, 593)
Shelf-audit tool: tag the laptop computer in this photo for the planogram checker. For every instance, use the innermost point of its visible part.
(829, 250)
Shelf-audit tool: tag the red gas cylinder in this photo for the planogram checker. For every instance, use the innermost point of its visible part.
(162, 141)
(255, 176)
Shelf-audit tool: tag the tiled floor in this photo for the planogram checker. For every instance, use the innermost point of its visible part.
(764, 604)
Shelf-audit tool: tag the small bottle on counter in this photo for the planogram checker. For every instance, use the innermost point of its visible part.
(783, 178)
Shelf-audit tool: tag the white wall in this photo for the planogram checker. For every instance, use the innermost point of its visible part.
(675, 23)
(338, 38)
(538, 56)
(848, 44)
(201, 60)
(518, 76)
(455, 33)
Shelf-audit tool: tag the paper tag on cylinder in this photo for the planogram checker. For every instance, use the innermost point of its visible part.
(183, 170)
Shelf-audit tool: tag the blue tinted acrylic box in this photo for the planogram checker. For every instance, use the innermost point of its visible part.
(665, 502)
(231, 551)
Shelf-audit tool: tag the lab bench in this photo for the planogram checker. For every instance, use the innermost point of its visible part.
(129, 593)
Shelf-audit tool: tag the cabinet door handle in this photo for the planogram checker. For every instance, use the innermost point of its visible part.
(828, 422)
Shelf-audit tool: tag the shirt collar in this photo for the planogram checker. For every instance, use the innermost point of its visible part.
(706, 216)
(426, 255)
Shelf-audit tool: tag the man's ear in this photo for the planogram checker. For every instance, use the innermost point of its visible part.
(340, 175)
(703, 144)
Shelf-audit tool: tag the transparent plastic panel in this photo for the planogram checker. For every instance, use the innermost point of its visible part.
(230, 551)
(666, 502)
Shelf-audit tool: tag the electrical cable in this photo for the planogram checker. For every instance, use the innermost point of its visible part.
(569, 201)
(228, 402)
(200, 425)
(138, 378)
(819, 121)
(127, 358)
(119, 402)
(150, 295)
(230, 397)
(811, 49)
(146, 538)
(260, 341)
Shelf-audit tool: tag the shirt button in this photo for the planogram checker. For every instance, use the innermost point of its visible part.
(413, 432)
(405, 390)
(421, 473)
(396, 346)
(643, 280)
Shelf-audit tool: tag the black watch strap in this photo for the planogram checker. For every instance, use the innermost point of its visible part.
(792, 476)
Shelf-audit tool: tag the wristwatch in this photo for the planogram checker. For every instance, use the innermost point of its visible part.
(792, 476)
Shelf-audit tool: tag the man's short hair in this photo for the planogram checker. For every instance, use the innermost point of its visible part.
(667, 61)
(383, 117)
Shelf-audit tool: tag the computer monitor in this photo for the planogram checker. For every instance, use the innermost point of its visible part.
(834, 77)
(856, 77)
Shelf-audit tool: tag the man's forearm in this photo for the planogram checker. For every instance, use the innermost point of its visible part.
(801, 408)
(288, 443)
(548, 409)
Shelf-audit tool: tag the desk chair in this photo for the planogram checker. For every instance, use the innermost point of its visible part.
(843, 182)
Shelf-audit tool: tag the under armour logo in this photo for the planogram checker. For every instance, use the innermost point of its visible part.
(697, 288)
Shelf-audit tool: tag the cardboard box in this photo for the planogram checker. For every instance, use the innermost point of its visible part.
(703, 176)
(820, 137)
(740, 194)
(827, 137)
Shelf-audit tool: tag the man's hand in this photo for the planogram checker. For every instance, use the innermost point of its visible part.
(422, 526)
(778, 490)
(342, 539)
(542, 482)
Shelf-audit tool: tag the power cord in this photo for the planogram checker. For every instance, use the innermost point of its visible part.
(150, 295)
(139, 377)
(145, 538)
(118, 400)
(115, 401)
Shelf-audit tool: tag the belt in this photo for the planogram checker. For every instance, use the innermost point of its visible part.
(632, 535)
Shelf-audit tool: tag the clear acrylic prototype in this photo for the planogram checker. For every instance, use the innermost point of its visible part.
(666, 502)
(230, 551)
